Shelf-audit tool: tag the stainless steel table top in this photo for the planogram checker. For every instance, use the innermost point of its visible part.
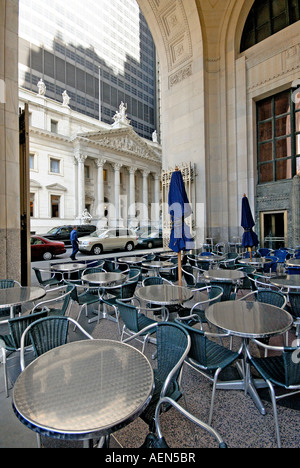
(83, 388)
(103, 278)
(260, 262)
(233, 275)
(131, 260)
(158, 264)
(11, 297)
(211, 258)
(288, 281)
(249, 319)
(68, 267)
(293, 262)
(164, 294)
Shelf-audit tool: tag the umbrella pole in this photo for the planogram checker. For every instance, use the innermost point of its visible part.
(250, 251)
(179, 269)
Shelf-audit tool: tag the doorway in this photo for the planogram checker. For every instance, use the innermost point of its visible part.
(273, 229)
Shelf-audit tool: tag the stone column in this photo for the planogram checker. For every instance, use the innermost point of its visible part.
(100, 188)
(132, 207)
(295, 204)
(81, 185)
(117, 167)
(156, 210)
(145, 217)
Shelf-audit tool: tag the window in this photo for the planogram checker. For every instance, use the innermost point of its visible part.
(266, 18)
(55, 205)
(55, 165)
(54, 126)
(87, 172)
(32, 161)
(32, 197)
(278, 136)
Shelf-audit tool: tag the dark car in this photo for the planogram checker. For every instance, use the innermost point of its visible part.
(150, 240)
(45, 249)
(62, 233)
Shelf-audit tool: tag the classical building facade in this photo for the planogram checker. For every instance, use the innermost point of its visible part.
(78, 163)
(222, 110)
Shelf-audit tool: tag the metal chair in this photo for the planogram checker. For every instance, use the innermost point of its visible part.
(5, 284)
(271, 267)
(124, 292)
(173, 344)
(83, 296)
(58, 305)
(205, 356)
(214, 294)
(264, 252)
(158, 440)
(190, 279)
(11, 343)
(133, 321)
(279, 371)
(246, 282)
(294, 309)
(51, 279)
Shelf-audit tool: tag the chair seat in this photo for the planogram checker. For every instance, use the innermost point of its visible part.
(271, 368)
(87, 298)
(218, 356)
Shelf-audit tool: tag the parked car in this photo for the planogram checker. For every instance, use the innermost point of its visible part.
(62, 233)
(45, 249)
(108, 239)
(153, 239)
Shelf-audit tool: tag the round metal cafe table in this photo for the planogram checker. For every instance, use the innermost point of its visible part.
(233, 275)
(83, 389)
(157, 265)
(68, 267)
(286, 282)
(164, 294)
(248, 320)
(257, 262)
(12, 297)
(293, 262)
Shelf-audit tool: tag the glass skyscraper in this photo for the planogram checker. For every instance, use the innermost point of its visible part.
(87, 47)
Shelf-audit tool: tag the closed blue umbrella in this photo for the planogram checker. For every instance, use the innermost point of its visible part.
(179, 209)
(250, 238)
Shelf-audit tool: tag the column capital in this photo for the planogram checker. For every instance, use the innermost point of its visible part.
(80, 158)
(132, 169)
(100, 162)
(145, 172)
(117, 166)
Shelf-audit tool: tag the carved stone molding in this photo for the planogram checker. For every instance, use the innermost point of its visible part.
(180, 75)
(172, 20)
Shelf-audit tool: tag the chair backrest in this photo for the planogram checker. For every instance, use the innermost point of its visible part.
(95, 269)
(275, 298)
(134, 274)
(47, 333)
(228, 289)
(264, 252)
(294, 298)
(282, 255)
(128, 289)
(6, 283)
(291, 366)
(197, 350)
(173, 345)
(152, 280)
(215, 294)
(18, 325)
(189, 277)
(129, 315)
(271, 266)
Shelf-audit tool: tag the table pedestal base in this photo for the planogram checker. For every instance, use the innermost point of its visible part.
(248, 387)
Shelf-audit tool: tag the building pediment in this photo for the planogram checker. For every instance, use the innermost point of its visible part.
(57, 188)
(123, 140)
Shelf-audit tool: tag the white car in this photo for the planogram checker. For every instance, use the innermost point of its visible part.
(108, 239)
